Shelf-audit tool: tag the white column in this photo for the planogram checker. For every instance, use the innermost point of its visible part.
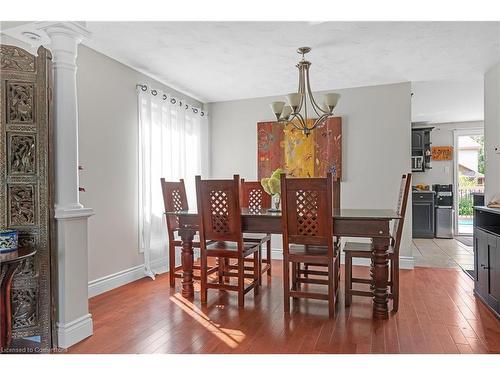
(74, 323)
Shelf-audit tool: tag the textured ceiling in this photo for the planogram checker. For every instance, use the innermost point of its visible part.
(218, 61)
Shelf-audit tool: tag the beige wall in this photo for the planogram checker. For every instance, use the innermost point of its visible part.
(376, 144)
(107, 112)
(492, 132)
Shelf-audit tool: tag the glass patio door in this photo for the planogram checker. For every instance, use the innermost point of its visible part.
(469, 177)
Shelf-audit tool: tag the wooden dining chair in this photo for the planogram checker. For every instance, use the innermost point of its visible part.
(221, 237)
(255, 199)
(364, 250)
(174, 199)
(307, 221)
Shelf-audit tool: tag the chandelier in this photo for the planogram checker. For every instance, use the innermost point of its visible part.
(296, 111)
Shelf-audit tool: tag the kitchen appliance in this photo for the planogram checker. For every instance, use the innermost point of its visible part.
(444, 211)
(417, 163)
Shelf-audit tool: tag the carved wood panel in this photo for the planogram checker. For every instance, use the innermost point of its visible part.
(20, 102)
(16, 59)
(26, 184)
(21, 153)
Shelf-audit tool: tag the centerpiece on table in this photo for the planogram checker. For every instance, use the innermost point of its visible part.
(8, 240)
(272, 186)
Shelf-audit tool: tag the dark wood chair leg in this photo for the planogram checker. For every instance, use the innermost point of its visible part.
(226, 269)
(203, 278)
(171, 265)
(220, 270)
(331, 290)
(241, 282)
(336, 272)
(395, 283)
(286, 285)
(294, 276)
(259, 261)
(298, 275)
(372, 275)
(268, 249)
(338, 276)
(348, 279)
(257, 271)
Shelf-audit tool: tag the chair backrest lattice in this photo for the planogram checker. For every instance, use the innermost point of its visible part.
(219, 209)
(253, 196)
(307, 205)
(174, 199)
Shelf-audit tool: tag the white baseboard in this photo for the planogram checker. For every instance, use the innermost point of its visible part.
(75, 331)
(115, 280)
(405, 262)
(120, 278)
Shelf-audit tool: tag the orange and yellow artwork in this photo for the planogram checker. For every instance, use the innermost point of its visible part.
(442, 152)
(284, 146)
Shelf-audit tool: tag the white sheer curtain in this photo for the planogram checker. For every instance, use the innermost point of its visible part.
(170, 146)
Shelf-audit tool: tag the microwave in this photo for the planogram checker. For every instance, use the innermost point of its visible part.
(417, 163)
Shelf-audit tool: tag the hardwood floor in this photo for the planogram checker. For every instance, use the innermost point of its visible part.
(438, 314)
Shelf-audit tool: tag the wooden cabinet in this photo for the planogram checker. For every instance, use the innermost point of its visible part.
(493, 269)
(487, 256)
(417, 139)
(421, 149)
(480, 259)
(423, 214)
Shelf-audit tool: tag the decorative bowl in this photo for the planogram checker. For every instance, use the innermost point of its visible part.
(8, 240)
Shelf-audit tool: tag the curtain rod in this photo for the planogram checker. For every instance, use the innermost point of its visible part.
(173, 100)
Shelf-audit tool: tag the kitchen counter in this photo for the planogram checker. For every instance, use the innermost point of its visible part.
(488, 209)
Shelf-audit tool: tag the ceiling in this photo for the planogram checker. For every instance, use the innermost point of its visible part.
(219, 61)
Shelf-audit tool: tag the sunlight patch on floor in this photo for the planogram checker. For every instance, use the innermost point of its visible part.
(231, 337)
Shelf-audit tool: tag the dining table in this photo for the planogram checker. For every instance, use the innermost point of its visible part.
(365, 223)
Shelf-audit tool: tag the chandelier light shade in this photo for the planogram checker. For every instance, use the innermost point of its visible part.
(296, 112)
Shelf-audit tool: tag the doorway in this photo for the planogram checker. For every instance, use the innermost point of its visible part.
(469, 177)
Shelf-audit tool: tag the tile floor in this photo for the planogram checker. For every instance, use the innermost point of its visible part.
(442, 253)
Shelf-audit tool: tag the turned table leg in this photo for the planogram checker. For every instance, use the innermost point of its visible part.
(5, 305)
(187, 260)
(380, 272)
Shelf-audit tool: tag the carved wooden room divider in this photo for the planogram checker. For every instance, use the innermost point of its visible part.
(26, 185)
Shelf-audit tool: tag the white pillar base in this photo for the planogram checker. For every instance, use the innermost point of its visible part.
(75, 331)
(74, 323)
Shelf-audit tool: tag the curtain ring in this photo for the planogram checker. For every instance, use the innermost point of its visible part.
(187, 106)
(195, 110)
(173, 101)
(202, 113)
(144, 87)
(154, 92)
(164, 97)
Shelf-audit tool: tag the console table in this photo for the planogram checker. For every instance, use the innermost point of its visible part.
(8, 266)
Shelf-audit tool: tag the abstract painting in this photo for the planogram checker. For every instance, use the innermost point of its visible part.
(284, 146)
